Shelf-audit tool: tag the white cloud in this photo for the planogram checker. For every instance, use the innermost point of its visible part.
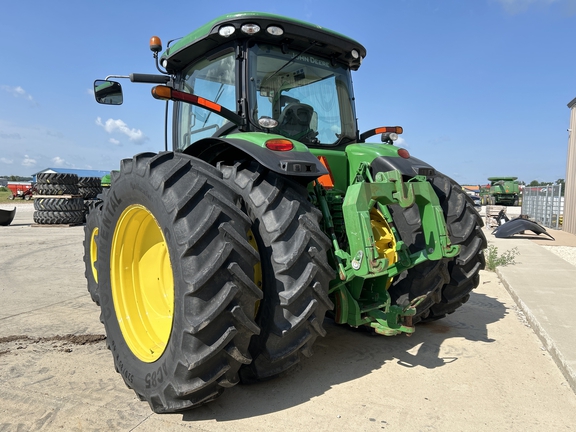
(28, 162)
(118, 126)
(7, 161)
(401, 142)
(58, 161)
(114, 141)
(17, 92)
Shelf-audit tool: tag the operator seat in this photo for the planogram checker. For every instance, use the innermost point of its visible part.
(297, 120)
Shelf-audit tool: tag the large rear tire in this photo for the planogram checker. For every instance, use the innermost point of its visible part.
(295, 269)
(427, 278)
(465, 229)
(58, 217)
(57, 189)
(175, 280)
(447, 282)
(59, 204)
(91, 230)
(56, 178)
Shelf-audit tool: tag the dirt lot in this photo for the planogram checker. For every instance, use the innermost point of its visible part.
(481, 368)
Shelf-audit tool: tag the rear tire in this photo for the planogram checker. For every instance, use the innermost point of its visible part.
(57, 189)
(56, 178)
(89, 182)
(427, 278)
(58, 217)
(465, 229)
(295, 270)
(448, 282)
(91, 230)
(89, 192)
(59, 204)
(173, 255)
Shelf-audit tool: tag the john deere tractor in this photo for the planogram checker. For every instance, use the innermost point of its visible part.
(218, 261)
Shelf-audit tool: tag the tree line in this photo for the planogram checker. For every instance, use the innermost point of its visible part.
(15, 178)
(537, 183)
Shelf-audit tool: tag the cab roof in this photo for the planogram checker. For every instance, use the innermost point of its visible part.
(296, 35)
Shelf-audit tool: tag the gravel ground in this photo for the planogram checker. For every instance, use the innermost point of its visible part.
(568, 253)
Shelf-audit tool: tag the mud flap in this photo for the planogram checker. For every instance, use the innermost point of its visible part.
(515, 226)
(7, 216)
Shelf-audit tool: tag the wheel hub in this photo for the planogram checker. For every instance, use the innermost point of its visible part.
(384, 239)
(94, 253)
(142, 283)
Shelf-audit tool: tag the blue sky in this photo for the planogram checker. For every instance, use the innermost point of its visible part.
(480, 86)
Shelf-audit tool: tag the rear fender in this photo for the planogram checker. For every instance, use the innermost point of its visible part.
(295, 163)
(7, 216)
(408, 167)
(515, 226)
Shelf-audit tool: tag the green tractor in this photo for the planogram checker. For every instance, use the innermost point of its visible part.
(503, 191)
(218, 261)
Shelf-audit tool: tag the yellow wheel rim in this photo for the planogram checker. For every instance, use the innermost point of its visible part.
(383, 238)
(142, 283)
(94, 253)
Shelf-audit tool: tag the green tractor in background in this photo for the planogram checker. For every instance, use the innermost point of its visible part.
(217, 262)
(503, 191)
(500, 191)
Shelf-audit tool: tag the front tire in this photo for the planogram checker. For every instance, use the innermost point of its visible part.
(175, 280)
(295, 270)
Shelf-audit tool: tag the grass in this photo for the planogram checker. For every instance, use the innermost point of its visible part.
(5, 193)
(493, 260)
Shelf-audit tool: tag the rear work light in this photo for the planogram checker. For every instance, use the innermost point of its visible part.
(226, 31)
(275, 30)
(279, 145)
(250, 28)
(267, 122)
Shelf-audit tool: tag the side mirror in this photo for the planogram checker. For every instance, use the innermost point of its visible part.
(108, 92)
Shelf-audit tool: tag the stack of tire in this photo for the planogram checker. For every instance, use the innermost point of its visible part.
(58, 201)
(89, 188)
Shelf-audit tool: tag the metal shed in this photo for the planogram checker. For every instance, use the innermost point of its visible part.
(569, 223)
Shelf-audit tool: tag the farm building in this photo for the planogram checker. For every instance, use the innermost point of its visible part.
(569, 224)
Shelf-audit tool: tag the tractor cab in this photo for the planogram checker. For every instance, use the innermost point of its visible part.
(255, 72)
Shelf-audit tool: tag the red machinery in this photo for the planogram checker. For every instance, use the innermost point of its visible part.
(21, 190)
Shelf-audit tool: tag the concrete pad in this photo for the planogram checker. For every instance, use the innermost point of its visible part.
(544, 287)
(480, 368)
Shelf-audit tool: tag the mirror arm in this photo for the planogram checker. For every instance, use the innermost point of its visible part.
(115, 76)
